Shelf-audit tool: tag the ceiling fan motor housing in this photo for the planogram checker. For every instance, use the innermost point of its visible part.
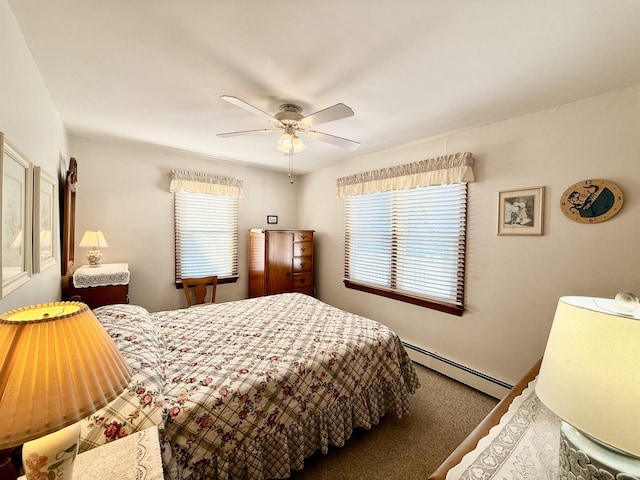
(289, 111)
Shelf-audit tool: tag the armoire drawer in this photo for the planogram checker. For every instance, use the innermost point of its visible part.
(302, 264)
(302, 248)
(302, 236)
(306, 290)
(302, 280)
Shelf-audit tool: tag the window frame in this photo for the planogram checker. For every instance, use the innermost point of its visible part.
(423, 301)
(233, 277)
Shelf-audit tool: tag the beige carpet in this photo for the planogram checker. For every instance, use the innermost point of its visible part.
(443, 413)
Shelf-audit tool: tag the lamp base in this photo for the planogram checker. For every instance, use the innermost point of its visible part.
(53, 455)
(583, 457)
(94, 256)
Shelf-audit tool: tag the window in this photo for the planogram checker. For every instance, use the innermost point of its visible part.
(206, 224)
(206, 230)
(409, 245)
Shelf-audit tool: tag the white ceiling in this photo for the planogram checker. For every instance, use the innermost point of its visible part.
(154, 70)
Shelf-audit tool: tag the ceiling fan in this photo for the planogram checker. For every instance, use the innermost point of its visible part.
(290, 121)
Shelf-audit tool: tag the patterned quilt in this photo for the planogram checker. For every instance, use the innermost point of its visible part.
(248, 389)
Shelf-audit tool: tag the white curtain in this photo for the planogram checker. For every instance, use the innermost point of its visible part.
(194, 182)
(456, 168)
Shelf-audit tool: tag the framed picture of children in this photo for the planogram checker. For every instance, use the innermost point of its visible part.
(520, 212)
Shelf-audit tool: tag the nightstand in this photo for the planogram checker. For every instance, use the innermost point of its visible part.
(134, 457)
(98, 285)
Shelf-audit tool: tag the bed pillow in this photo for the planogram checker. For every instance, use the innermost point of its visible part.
(140, 405)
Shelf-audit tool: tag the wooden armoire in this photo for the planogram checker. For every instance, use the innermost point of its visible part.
(280, 261)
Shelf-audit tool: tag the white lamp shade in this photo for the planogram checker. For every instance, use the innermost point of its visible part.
(93, 238)
(590, 373)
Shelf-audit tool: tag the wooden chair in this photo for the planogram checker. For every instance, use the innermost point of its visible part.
(199, 289)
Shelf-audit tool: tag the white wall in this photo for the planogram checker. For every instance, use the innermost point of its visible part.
(512, 283)
(123, 190)
(30, 121)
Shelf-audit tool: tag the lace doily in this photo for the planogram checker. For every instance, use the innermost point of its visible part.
(101, 275)
(134, 457)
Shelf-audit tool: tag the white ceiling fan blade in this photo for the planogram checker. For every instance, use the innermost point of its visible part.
(329, 114)
(245, 132)
(245, 106)
(339, 141)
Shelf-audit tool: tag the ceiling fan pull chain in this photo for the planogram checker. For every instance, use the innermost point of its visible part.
(291, 166)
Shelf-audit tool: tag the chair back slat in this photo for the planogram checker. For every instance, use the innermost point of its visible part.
(199, 289)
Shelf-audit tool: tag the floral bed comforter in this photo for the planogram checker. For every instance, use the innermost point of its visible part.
(248, 389)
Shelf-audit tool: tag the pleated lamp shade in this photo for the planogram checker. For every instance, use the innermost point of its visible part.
(59, 365)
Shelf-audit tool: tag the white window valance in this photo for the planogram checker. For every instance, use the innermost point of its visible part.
(195, 182)
(449, 169)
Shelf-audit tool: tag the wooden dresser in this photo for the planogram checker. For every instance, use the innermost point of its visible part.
(103, 284)
(280, 261)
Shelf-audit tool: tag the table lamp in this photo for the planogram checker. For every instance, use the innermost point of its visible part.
(93, 239)
(59, 365)
(590, 378)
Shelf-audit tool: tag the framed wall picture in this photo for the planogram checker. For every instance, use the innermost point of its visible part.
(16, 233)
(44, 236)
(272, 219)
(520, 212)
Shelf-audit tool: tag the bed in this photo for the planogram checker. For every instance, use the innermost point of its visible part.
(519, 438)
(249, 389)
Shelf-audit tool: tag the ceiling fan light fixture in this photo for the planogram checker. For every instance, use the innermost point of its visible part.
(298, 145)
(290, 143)
(285, 142)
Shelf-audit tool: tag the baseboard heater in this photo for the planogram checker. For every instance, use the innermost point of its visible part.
(483, 382)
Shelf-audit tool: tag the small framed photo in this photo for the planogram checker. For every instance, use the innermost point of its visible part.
(272, 219)
(520, 212)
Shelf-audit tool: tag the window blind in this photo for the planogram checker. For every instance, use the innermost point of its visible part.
(409, 241)
(206, 233)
